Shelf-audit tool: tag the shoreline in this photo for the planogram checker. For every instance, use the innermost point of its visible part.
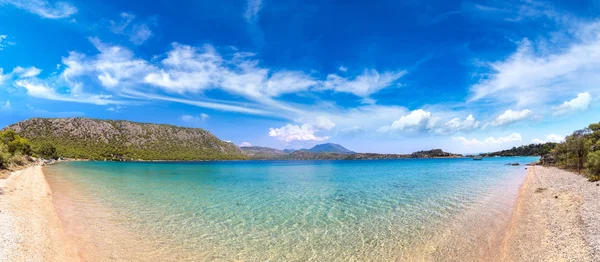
(555, 218)
(34, 231)
(542, 227)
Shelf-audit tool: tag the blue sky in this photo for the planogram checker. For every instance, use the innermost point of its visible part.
(374, 76)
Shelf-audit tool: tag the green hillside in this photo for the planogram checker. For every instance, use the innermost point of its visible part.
(124, 140)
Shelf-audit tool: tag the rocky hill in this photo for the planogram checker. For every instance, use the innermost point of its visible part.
(124, 140)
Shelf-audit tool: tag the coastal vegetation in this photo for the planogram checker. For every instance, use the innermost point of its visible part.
(13, 149)
(525, 150)
(580, 152)
(96, 139)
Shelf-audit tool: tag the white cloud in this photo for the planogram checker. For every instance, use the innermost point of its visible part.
(4, 42)
(417, 120)
(288, 82)
(43, 8)
(457, 125)
(41, 90)
(509, 117)
(324, 123)
(252, 9)
(490, 141)
(115, 109)
(138, 32)
(423, 121)
(580, 103)
(185, 73)
(26, 72)
(305, 132)
(6, 108)
(343, 69)
(364, 85)
(243, 144)
(549, 138)
(290, 132)
(194, 120)
(538, 73)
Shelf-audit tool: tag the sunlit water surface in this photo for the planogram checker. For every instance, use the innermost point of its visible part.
(379, 210)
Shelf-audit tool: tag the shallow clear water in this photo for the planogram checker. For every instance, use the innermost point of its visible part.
(284, 210)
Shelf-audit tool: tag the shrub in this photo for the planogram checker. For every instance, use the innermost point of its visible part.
(47, 151)
(16, 159)
(593, 166)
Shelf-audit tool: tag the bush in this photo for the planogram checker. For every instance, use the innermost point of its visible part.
(16, 160)
(4, 156)
(47, 151)
(593, 166)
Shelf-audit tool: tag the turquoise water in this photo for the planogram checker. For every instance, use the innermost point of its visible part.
(284, 210)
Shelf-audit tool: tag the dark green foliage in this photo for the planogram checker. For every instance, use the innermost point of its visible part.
(47, 151)
(526, 150)
(581, 151)
(123, 140)
(13, 148)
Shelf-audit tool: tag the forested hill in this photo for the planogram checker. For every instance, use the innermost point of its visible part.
(526, 150)
(124, 140)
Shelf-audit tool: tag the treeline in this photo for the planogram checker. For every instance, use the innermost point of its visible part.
(16, 150)
(581, 152)
(525, 150)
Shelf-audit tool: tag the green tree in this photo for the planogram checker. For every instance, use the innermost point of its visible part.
(593, 166)
(47, 151)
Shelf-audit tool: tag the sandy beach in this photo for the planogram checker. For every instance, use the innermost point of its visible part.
(555, 219)
(30, 229)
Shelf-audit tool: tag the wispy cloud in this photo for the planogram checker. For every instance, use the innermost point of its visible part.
(549, 138)
(186, 72)
(580, 103)
(252, 9)
(420, 121)
(194, 120)
(509, 117)
(4, 42)
(41, 90)
(364, 85)
(44, 8)
(138, 32)
(6, 108)
(533, 72)
(489, 143)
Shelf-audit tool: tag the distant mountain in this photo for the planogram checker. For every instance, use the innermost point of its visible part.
(330, 148)
(124, 140)
(289, 151)
(259, 152)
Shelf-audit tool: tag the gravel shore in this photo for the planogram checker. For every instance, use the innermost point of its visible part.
(30, 229)
(557, 218)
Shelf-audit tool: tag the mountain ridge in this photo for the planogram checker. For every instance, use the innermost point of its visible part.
(124, 140)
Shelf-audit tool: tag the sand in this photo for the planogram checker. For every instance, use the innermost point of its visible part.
(30, 229)
(556, 218)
